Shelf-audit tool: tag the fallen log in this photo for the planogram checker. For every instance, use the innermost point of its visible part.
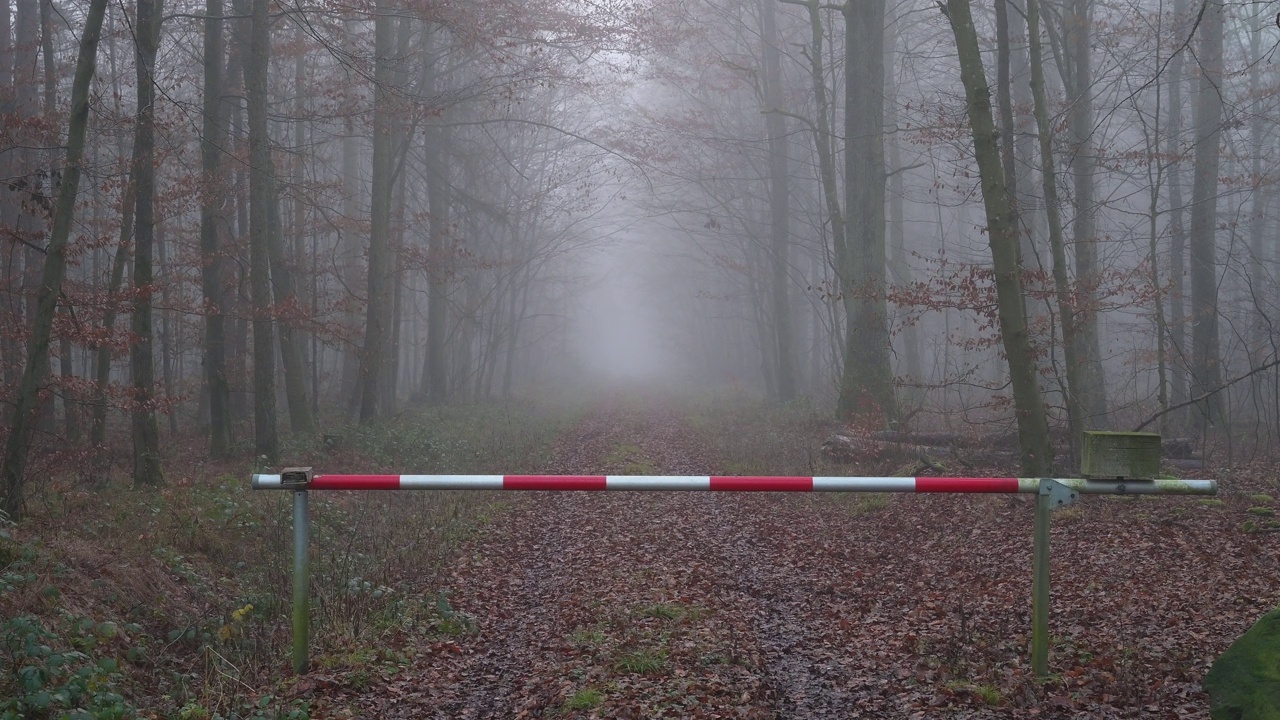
(845, 448)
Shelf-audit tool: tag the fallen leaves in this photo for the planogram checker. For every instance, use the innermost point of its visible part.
(700, 605)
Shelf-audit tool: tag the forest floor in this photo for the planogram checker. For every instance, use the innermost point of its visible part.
(720, 605)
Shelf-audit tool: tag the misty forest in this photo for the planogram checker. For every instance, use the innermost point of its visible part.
(903, 253)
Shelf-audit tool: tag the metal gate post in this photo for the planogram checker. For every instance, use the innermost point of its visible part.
(1050, 496)
(1040, 585)
(301, 582)
(298, 480)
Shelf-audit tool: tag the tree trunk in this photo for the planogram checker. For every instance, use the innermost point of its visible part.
(146, 431)
(1071, 347)
(266, 438)
(1177, 231)
(213, 139)
(899, 266)
(13, 469)
(779, 204)
(1002, 234)
(1092, 388)
(435, 376)
(1206, 374)
(102, 362)
(379, 308)
(866, 385)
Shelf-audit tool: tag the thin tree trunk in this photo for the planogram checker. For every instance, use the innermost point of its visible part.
(1177, 231)
(435, 375)
(1076, 412)
(102, 363)
(1002, 234)
(13, 468)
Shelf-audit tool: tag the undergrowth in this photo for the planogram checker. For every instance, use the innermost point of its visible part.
(175, 602)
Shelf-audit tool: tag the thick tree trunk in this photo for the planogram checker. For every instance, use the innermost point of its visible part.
(1206, 373)
(1002, 234)
(146, 431)
(213, 139)
(783, 339)
(378, 313)
(266, 438)
(1092, 388)
(866, 385)
(13, 468)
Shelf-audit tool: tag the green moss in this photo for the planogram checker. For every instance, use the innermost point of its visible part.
(1244, 684)
(1261, 511)
(1262, 498)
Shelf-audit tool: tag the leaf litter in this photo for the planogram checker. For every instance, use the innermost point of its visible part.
(720, 605)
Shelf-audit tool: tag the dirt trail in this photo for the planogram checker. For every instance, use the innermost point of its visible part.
(688, 605)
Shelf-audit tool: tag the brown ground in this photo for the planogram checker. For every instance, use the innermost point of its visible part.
(700, 605)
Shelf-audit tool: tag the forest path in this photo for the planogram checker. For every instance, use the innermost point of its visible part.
(720, 605)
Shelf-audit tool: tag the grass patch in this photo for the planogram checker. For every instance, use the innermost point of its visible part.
(642, 662)
(584, 699)
(630, 460)
(1261, 511)
(669, 612)
(1261, 498)
(1213, 503)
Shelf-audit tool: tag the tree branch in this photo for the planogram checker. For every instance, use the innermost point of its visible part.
(1206, 395)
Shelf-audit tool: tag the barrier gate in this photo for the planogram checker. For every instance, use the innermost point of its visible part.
(1051, 493)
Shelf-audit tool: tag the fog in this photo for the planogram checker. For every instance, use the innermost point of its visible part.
(334, 213)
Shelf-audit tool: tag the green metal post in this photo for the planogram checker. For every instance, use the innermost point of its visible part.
(301, 582)
(1040, 584)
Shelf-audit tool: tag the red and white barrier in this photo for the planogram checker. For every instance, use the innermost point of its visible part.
(730, 483)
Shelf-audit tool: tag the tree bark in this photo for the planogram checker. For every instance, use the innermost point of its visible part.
(1177, 230)
(779, 204)
(146, 431)
(1206, 373)
(379, 307)
(1092, 387)
(13, 468)
(266, 438)
(866, 385)
(213, 141)
(435, 375)
(1002, 234)
(1071, 349)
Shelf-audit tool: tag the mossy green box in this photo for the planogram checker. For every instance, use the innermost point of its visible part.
(1129, 455)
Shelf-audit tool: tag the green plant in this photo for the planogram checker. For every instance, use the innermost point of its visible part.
(1262, 498)
(988, 694)
(643, 662)
(1261, 511)
(40, 681)
(584, 699)
(448, 621)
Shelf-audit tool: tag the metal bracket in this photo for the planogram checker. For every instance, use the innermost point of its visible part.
(1059, 495)
(295, 478)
